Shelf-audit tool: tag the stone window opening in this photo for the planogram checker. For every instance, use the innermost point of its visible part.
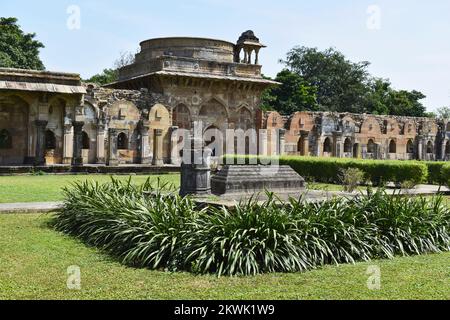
(5, 139)
(447, 148)
(410, 147)
(50, 140)
(86, 141)
(392, 147)
(430, 147)
(348, 147)
(327, 148)
(122, 141)
(371, 146)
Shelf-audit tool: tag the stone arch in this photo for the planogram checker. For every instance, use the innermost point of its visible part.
(348, 146)
(410, 146)
(371, 146)
(50, 140)
(122, 141)
(182, 117)
(348, 125)
(245, 119)
(86, 142)
(214, 113)
(392, 146)
(392, 127)
(15, 128)
(327, 146)
(371, 127)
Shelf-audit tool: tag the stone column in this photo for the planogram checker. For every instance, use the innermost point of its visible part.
(77, 143)
(420, 155)
(281, 142)
(304, 136)
(175, 158)
(444, 146)
(263, 142)
(113, 159)
(145, 143)
(319, 147)
(68, 144)
(158, 159)
(41, 125)
(101, 158)
(338, 146)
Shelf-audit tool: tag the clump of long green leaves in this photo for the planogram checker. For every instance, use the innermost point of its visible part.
(143, 225)
(148, 226)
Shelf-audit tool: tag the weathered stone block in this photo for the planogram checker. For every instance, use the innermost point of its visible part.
(255, 179)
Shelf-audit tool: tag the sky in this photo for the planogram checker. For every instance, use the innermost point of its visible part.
(406, 41)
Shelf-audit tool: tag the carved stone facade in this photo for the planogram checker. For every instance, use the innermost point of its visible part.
(51, 118)
(362, 136)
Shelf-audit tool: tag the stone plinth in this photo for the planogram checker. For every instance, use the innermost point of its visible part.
(256, 179)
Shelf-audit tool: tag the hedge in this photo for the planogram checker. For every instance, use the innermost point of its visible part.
(435, 172)
(445, 175)
(327, 170)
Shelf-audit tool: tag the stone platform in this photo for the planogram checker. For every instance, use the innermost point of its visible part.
(250, 179)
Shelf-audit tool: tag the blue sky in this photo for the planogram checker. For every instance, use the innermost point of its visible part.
(410, 44)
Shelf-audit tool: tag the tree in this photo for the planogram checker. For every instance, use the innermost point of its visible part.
(294, 94)
(340, 84)
(18, 49)
(107, 76)
(326, 81)
(443, 113)
(112, 75)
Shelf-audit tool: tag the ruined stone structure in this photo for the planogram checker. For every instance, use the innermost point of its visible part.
(361, 136)
(49, 118)
(52, 118)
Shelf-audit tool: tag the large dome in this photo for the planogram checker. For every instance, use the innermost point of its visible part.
(197, 48)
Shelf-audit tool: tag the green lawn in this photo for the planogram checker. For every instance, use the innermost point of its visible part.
(48, 187)
(34, 260)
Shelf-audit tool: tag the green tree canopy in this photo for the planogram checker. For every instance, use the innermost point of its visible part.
(107, 76)
(326, 81)
(18, 49)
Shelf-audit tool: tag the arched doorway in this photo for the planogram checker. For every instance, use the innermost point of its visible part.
(430, 147)
(371, 146)
(392, 147)
(348, 147)
(122, 141)
(182, 117)
(327, 146)
(14, 137)
(410, 147)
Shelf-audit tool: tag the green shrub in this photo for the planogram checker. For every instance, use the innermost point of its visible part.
(327, 170)
(351, 178)
(148, 226)
(445, 175)
(435, 172)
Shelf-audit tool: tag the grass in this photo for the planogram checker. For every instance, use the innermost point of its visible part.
(34, 260)
(48, 188)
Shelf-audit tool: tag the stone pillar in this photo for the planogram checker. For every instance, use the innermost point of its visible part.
(444, 146)
(175, 158)
(113, 159)
(338, 146)
(68, 144)
(101, 157)
(158, 159)
(281, 150)
(195, 169)
(77, 143)
(41, 125)
(304, 136)
(420, 155)
(263, 142)
(319, 147)
(145, 143)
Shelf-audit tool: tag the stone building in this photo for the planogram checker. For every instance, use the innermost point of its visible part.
(52, 118)
(361, 136)
(49, 118)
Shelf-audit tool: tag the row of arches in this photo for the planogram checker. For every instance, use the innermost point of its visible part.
(349, 146)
